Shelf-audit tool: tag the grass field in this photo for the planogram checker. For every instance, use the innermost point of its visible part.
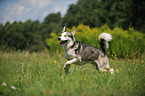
(41, 74)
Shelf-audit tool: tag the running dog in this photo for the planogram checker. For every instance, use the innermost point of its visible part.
(79, 53)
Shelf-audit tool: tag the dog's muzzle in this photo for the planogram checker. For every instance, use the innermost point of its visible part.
(62, 43)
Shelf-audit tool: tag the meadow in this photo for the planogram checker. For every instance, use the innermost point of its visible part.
(41, 74)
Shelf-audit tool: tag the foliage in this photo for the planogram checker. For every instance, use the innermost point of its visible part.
(53, 42)
(116, 13)
(41, 74)
(30, 35)
(125, 43)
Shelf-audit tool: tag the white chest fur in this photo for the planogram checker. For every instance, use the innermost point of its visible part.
(69, 53)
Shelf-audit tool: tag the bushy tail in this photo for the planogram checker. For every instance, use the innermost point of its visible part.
(103, 40)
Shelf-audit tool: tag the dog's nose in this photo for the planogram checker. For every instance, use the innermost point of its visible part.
(59, 39)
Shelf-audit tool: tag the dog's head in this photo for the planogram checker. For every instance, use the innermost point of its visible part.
(66, 37)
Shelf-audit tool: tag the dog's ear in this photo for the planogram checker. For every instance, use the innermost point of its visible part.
(73, 32)
(63, 28)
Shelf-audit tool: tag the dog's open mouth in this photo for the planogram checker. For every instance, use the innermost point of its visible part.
(63, 42)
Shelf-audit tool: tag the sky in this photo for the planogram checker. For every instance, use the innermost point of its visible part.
(22, 10)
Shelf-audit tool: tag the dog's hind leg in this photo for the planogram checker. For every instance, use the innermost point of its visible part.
(106, 63)
(107, 66)
(100, 63)
(67, 64)
(103, 64)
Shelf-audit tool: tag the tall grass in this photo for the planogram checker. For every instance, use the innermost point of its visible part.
(41, 74)
(125, 43)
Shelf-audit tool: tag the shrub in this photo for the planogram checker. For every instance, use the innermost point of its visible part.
(125, 43)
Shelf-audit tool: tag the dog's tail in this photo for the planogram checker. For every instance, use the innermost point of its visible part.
(103, 40)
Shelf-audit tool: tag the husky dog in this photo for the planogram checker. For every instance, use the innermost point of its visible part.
(79, 53)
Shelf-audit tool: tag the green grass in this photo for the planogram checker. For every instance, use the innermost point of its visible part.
(41, 74)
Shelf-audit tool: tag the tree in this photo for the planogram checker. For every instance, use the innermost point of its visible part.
(116, 13)
(52, 18)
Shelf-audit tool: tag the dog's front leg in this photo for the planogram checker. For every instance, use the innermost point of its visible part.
(67, 64)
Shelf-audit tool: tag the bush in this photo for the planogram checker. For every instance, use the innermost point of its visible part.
(53, 42)
(125, 43)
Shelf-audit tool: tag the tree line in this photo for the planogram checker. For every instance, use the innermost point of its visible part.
(31, 35)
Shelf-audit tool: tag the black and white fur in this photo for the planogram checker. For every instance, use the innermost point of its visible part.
(79, 53)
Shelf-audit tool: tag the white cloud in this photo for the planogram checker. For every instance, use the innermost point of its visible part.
(23, 10)
(36, 3)
(61, 9)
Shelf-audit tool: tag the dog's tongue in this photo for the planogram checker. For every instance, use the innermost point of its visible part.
(61, 43)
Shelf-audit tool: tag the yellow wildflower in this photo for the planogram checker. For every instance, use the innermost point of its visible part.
(55, 62)
(102, 69)
(142, 61)
(142, 65)
(117, 71)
